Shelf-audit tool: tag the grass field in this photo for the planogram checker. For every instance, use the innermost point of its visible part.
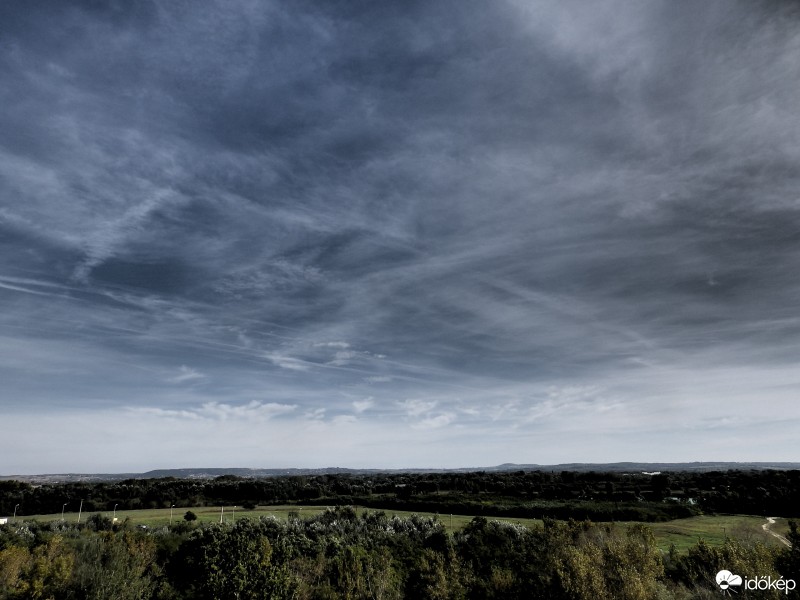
(683, 533)
(211, 514)
(686, 532)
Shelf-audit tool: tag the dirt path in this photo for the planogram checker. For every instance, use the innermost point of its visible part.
(766, 527)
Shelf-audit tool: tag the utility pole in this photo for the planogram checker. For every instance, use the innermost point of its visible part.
(170, 513)
(63, 506)
(15, 512)
(221, 512)
(80, 509)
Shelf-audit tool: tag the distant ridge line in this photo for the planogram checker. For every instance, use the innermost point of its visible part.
(212, 472)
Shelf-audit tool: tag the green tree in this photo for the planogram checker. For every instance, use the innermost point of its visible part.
(14, 560)
(42, 573)
(698, 568)
(221, 562)
(584, 560)
(113, 566)
(435, 577)
(788, 562)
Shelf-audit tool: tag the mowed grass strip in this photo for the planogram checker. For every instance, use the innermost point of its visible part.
(683, 533)
(205, 514)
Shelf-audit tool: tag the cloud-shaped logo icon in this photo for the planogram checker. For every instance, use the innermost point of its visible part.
(726, 579)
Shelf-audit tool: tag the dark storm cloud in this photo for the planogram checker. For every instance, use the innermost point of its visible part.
(450, 213)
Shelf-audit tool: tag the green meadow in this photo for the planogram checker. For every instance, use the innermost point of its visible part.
(684, 533)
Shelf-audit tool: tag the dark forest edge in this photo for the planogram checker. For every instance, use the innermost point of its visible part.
(597, 496)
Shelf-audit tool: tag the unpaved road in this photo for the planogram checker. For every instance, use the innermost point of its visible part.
(766, 527)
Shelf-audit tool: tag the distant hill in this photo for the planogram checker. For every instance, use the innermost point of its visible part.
(210, 473)
(650, 467)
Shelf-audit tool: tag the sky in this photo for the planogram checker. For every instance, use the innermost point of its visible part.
(269, 233)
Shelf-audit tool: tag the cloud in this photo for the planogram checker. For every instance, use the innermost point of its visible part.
(105, 241)
(361, 405)
(343, 357)
(435, 421)
(316, 414)
(417, 407)
(186, 374)
(421, 414)
(278, 275)
(568, 402)
(287, 362)
(342, 345)
(17, 288)
(220, 411)
(341, 419)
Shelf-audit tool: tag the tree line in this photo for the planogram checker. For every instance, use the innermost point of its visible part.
(341, 554)
(591, 495)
